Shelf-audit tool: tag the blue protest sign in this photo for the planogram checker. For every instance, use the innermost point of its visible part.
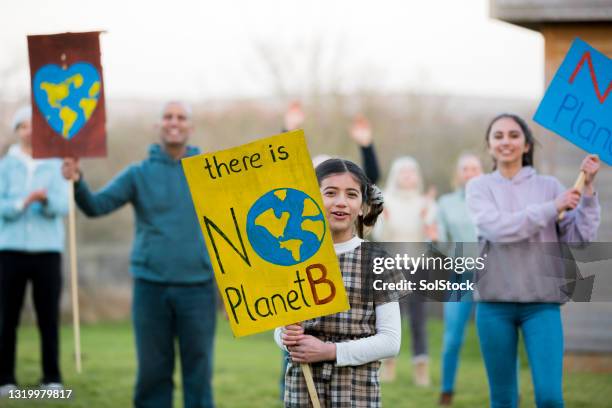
(578, 103)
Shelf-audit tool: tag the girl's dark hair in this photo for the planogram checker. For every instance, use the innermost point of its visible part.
(372, 196)
(529, 139)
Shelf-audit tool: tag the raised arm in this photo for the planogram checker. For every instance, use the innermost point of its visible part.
(370, 163)
(361, 133)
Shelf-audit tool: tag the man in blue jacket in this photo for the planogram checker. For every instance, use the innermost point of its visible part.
(174, 294)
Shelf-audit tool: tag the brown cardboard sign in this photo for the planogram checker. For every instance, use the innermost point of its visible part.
(68, 114)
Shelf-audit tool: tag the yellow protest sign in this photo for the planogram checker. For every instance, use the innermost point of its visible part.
(263, 220)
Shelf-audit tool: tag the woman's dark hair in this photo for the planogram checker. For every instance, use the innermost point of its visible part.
(529, 139)
(372, 196)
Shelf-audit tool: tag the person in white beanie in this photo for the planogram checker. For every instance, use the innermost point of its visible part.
(33, 202)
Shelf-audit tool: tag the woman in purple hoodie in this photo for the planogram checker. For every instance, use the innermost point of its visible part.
(516, 212)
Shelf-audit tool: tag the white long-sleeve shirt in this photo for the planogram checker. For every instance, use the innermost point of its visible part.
(384, 344)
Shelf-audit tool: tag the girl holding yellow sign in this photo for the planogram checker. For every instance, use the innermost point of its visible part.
(344, 349)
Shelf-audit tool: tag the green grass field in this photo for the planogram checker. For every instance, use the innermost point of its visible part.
(247, 372)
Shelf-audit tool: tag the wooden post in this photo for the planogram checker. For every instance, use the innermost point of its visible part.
(312, 391)
(579, 185)
(74, 285)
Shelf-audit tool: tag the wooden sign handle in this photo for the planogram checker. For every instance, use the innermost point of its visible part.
(312, 391)
(579, 185)
(74, 285)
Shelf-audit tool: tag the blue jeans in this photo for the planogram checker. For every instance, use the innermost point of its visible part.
(456, 317)
(457, 310)
(161, 314)
(498, 325)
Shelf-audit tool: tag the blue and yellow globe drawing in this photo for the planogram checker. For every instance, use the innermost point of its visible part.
(285, 226)
(67, 97)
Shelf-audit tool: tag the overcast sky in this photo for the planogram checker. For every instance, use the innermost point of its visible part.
(213, 49)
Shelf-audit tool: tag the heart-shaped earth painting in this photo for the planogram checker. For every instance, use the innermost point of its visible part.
(67, 97)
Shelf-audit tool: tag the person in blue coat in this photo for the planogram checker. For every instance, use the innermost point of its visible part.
(33, 203)
(174, 293)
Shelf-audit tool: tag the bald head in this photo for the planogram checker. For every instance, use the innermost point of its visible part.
(186, 107)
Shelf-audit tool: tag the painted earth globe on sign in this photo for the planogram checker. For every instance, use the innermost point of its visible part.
(67, 97)
(285, 226)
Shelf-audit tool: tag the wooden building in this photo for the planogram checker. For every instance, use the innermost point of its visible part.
(588, 326)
